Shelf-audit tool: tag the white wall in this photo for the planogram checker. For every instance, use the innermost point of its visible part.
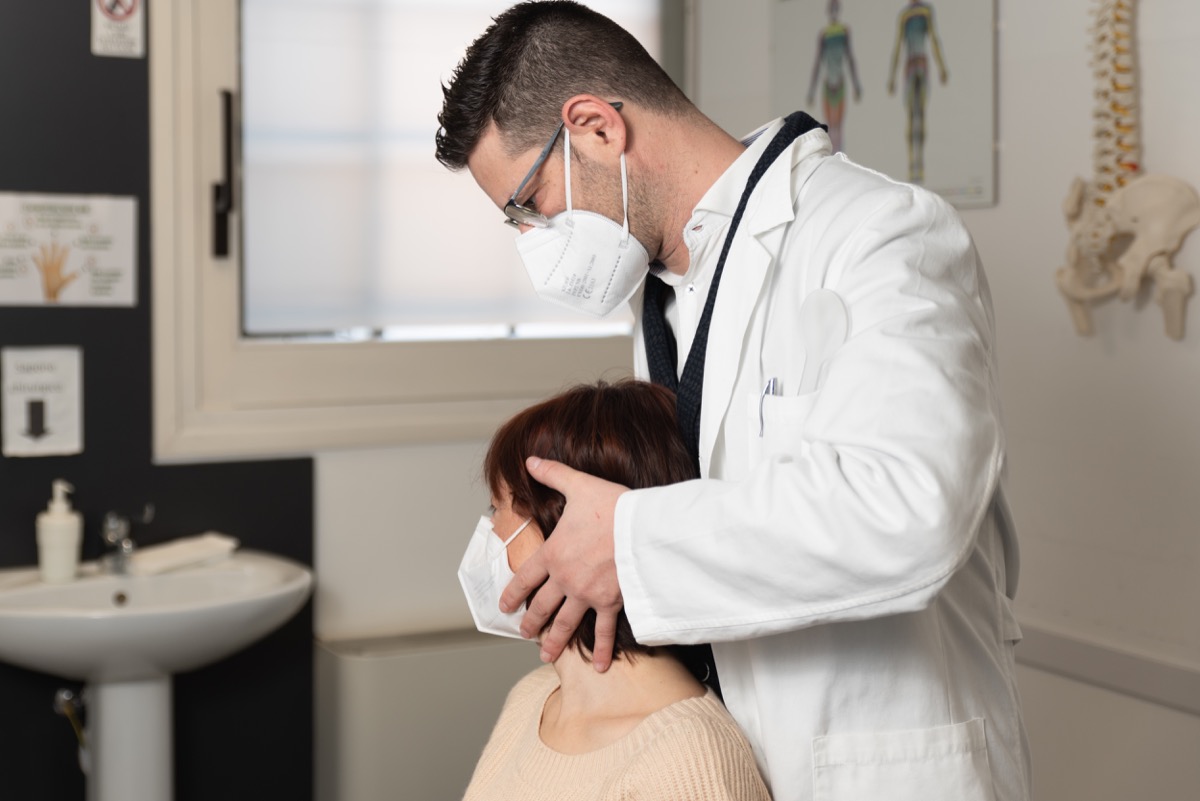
(391, 526)
(1103, 447)
(1089, 743)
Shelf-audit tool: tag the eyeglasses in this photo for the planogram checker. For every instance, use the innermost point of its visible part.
(517, 215)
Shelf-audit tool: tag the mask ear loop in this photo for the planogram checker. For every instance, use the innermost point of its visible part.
(567, 165)
(513, 536)
(624, 184)
(624, 200)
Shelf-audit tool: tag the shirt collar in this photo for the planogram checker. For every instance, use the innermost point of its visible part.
(723, 196)
(722, 199)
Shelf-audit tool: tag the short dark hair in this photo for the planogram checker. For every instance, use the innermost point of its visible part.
(533, 58)
(624, 432)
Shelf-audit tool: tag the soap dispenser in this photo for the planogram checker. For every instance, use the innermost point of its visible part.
(59, 536)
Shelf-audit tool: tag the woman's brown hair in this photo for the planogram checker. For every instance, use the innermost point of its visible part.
(624, 432)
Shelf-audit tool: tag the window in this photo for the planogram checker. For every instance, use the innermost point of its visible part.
(221, 393)
(349, 223)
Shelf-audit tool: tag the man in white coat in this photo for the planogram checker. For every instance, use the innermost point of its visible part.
(847, 550)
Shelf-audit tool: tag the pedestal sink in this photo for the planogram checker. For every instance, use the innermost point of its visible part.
(126, 635)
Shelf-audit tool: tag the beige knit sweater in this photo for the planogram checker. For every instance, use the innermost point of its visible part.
(689, 751)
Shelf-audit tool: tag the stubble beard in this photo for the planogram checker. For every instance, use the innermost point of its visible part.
(603, 196)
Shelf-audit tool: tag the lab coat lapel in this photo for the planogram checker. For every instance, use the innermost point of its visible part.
(758, 240)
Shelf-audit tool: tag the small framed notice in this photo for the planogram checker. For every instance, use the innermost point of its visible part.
(119, 28)
(42, 401)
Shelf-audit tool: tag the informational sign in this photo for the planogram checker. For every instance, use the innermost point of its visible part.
(68, 250)
(119, 28)
(42, 402)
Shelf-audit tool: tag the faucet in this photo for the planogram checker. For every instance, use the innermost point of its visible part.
(115, 532)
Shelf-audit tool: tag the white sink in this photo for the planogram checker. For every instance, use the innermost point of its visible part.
(118, 628)
(126, 635)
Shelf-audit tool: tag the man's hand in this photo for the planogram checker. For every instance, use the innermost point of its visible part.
(577, 564)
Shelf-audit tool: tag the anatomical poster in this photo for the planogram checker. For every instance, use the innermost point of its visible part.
(68, 250)
(907, 87)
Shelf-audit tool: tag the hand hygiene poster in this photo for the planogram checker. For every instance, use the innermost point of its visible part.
(67, 250)
(905, 86)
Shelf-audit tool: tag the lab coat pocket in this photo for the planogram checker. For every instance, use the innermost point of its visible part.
(944, 763)
(776, 425)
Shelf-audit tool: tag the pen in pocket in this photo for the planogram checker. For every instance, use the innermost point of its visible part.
(771, 388)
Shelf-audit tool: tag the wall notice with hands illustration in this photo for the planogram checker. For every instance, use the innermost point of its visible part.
(69, 250)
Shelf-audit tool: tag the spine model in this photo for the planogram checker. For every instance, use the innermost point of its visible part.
(1125, 226)
(1117, 153)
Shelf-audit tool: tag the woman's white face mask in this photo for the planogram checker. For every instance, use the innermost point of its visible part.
(484, 573)
(583, 260)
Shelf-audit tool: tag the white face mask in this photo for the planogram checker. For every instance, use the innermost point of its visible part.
(484, 573)
(584, 260)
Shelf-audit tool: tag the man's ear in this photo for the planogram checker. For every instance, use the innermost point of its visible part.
(597, 129)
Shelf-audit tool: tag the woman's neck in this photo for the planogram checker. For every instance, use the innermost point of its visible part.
(591, 710)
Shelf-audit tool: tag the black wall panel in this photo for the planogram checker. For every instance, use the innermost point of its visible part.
(71, 122)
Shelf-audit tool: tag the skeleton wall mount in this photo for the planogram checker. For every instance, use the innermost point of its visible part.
(1125, 226)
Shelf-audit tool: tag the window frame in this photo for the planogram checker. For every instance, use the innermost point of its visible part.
(218, 395)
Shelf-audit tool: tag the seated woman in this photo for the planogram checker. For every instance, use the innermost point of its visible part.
(646, 728)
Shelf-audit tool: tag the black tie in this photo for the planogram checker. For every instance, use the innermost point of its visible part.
(660, 352)
(660, 342)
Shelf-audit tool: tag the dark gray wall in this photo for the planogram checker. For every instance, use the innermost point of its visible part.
(74, 123)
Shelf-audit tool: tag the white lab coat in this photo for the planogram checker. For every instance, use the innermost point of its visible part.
(854, 565)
